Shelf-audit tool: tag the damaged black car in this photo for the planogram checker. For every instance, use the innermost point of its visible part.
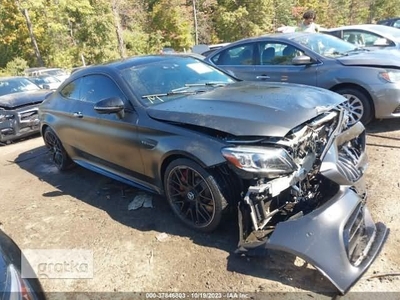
(19, 100)
(283, 154)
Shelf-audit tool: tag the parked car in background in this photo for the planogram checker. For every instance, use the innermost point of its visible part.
(368, 79)
(19, 100)
(370, 36)
(59, 73)
(12, 284)
(205, 50)
(46, 81)
(283, 154)
(393, 22)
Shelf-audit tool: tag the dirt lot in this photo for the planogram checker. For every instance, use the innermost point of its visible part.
(44, 209)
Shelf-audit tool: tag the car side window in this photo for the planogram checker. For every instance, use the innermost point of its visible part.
(237, 55)
(277, 53)
(359, 38)
(396, 24)
(98, 87)
(71, 91)
(362, 38)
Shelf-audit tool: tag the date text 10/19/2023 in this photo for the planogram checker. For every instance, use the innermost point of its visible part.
(197, 295)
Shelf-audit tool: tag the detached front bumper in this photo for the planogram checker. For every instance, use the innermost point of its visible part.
(339, 238)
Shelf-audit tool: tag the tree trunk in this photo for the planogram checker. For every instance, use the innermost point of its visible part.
(32, 36)
(118, 30)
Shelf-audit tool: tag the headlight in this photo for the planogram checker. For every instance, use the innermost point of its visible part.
(4, 117)
(269, 162)
(390, 76)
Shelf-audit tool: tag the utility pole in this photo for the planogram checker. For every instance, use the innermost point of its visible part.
(196, 38)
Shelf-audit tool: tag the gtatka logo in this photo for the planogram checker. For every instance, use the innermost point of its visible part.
(57, 263)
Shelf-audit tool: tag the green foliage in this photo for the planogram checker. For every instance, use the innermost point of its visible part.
(71, 33)
(171, 19)
(16, 67)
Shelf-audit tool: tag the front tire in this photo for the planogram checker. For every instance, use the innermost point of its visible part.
(358, 105)
(58, 154)
(194, 195)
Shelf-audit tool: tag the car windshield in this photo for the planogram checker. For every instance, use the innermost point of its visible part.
(16, 85)
(326, 45)
(54, 72)
(167, 79)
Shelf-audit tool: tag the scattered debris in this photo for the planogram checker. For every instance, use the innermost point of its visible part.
(151, 257)
(162, 237)
(382, 275)
(141, 200)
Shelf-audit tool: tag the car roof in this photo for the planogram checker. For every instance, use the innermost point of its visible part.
(372, 27)
(13, 77)
(132, 61)
(390, 19)
(279, 35)
(382, 30)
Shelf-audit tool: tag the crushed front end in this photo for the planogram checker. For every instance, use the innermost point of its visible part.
(305, 195)
(18, 122)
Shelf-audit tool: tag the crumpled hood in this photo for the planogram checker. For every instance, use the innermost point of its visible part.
(249, 108)
(384, 57)
(23, 98)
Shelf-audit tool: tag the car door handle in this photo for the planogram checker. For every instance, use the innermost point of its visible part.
(78, 114)
(263, 77)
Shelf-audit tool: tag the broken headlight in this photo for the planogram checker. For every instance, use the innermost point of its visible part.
(4, 117)
(267, 162)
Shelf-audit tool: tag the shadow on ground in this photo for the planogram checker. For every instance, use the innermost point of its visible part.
(381, 126)
(113, 197)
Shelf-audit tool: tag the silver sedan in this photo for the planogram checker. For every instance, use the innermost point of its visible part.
(370, 80)
(370, 36)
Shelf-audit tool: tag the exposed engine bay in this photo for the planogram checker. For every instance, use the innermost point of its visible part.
(328, 160)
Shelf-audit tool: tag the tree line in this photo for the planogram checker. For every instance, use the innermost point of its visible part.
(72, 33)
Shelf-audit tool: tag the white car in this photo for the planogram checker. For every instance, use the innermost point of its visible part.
(371, 36)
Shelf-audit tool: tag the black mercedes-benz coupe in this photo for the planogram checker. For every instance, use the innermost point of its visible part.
(283, 154)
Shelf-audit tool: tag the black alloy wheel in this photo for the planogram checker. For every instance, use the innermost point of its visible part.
(194, 195)
(58, 154)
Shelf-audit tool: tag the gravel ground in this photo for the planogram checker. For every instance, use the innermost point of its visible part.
(148, 250)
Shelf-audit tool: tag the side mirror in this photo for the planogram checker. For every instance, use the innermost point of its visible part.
(112, 105)
(46, 87)
(302, 60)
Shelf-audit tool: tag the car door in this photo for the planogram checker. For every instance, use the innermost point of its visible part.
(266, 61)
(275, 63)
(104, 140)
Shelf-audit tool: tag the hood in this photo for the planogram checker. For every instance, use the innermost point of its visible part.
(249, 108)
(384, 58)
(11, 101)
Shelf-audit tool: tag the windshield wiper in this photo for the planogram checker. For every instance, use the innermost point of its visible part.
(358, 49)
(179, 91)
(183, 90)
(211, 83)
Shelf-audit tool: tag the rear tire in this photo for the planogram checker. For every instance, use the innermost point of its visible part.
(58, 154)
(358, 105)
(194, 195)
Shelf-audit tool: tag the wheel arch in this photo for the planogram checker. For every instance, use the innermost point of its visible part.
(43, 128)
(229, 182)
(361, 89)
(173, 156)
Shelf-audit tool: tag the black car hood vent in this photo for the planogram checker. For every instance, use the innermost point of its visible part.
(248, 108)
